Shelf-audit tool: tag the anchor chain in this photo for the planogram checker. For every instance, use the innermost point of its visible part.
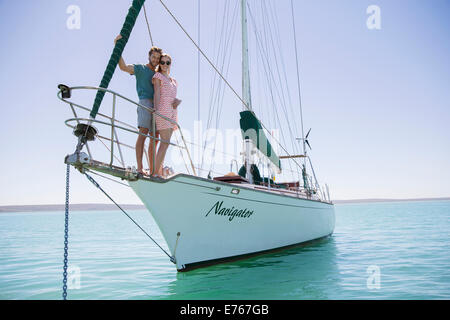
(66, 234)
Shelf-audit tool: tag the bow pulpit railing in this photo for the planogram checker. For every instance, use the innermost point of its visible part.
(85, 126)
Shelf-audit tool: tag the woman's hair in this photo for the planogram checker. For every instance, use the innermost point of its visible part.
(162, 56)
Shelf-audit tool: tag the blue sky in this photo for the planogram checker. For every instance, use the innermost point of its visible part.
(378, 101)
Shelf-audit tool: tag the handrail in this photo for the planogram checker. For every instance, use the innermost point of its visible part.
(108, 124)
(152, 110)
(113, 123)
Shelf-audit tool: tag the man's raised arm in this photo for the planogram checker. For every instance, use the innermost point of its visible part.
(122, 65)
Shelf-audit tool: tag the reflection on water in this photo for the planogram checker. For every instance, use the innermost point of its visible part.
(296, 273)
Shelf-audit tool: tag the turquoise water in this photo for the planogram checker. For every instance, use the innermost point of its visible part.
(378, 251)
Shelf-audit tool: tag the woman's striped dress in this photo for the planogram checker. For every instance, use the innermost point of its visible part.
(168, 93)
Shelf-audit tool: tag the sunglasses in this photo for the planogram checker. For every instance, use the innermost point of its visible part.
(165, 62)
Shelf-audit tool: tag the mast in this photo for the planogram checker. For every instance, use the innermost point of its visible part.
(246, 95)
(245, 66)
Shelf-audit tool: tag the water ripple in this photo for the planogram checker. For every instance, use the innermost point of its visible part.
(407, 242)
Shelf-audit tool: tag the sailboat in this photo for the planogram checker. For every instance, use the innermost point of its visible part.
(213, 219)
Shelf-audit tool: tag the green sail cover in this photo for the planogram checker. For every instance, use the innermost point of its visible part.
(251, 129)
(128, 25)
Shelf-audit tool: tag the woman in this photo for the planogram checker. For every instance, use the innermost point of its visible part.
(166, 105)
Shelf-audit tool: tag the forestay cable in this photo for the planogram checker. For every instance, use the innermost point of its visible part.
(98, 186)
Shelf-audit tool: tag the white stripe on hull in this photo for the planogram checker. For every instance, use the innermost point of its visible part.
(216, 224)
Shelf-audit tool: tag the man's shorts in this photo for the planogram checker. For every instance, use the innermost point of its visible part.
(144, 116)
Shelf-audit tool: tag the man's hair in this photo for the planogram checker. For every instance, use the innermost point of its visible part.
(155, 49)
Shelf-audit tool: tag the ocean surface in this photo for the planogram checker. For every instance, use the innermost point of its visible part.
(391, 250)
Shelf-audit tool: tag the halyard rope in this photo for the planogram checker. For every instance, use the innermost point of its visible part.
(220, 74)
(203, 54)
(148, 25)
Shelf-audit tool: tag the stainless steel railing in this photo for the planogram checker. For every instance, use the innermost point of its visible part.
(118, 124)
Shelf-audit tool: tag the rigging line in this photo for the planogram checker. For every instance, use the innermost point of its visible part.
(212, 171)
(298, 78)
(283, 137)
(230, 33)
(217, 55)
(222, 87)
(273, 18)
(197, 145)
(100, 175)
(274, 139)
(226, 57)
(265, 62)
(213, 81)
(276, 113)
(182, 155)
(226, 60)
(212, 95)
(284, 87)
(204, 55)
(217, 59)
(220, 95)
(264, 108)
(278, 37)
(286, 83)
(268, 70)
(269, 39)
(198, 62)
(214, 67)
(101, 140)
(107, 195)
(277, 30)
(223, 78)
(148, 25)
(267, 111)
(273, 101)
(270, 21)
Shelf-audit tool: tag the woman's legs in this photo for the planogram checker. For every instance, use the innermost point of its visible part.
(165, 135)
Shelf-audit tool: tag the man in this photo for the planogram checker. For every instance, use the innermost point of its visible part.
(145, 90)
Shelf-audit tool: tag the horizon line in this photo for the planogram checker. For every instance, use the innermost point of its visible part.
(108, 206)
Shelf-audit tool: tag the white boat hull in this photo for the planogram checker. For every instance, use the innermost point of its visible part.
(216, 224)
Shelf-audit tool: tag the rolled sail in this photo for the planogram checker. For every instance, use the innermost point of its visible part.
(127, 27)
(251, 128)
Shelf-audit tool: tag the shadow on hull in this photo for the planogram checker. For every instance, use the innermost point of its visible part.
(208, 263)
